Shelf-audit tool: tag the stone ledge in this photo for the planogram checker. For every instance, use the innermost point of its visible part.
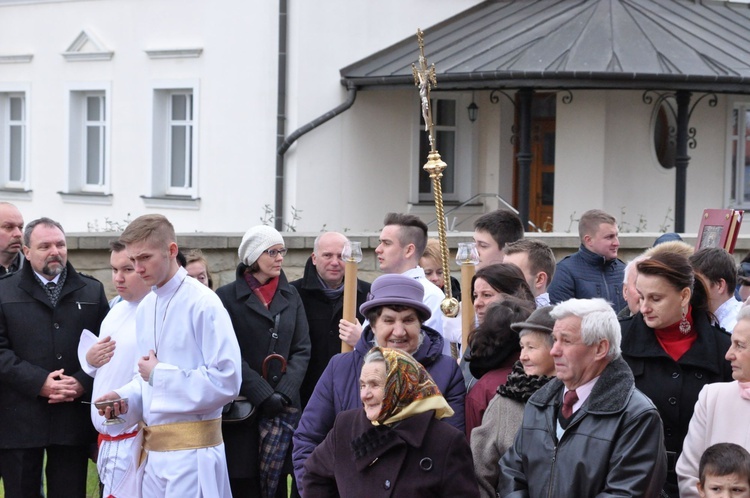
(89, 251)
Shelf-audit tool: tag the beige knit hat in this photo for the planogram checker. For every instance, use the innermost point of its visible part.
(256, 240)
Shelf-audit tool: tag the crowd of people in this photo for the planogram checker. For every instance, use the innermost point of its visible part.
(583, 377)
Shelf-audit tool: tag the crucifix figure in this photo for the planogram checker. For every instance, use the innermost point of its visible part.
(424, 78)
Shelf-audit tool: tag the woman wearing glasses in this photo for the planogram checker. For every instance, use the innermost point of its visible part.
(271, 327)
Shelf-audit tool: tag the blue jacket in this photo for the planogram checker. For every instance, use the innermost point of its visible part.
(338, 390)
(584, 275)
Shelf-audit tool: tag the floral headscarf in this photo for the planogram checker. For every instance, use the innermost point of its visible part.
(409, 389)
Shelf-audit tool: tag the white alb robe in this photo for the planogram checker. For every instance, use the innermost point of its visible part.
(114, 460)
(199, 371)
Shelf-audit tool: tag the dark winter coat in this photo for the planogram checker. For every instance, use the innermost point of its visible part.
(36, 339)
(253, 324)
(584, 275)
(323, 316)
(613, 445)
(674, 386)
(338, 391)
(419, 457)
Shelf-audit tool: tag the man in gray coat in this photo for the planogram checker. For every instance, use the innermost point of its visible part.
(589, 432)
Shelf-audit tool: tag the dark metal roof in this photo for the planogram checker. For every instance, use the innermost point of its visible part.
(675, 44)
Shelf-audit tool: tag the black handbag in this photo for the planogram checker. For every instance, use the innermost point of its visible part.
(238, 410)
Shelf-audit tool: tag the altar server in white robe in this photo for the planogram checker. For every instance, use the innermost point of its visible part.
(189, 370)
(112, 360)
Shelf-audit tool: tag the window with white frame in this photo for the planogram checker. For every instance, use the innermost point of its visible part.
(12, 140)
(174, 142)
(89, 142)
(739, 153)
(456, 143)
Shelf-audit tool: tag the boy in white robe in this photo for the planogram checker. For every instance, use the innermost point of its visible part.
(112, 361)
(189, 370)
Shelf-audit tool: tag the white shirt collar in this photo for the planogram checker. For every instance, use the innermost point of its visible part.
(45, 280)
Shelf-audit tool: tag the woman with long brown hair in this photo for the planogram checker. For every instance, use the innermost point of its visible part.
(672, 347)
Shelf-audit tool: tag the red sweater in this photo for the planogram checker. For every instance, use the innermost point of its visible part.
(484, 390)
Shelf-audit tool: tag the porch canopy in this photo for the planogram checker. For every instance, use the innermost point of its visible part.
(701, 46)
(670, 46)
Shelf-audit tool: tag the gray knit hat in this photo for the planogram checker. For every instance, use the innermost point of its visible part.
(256, 240)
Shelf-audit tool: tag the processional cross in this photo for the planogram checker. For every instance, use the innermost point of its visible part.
(425, 78)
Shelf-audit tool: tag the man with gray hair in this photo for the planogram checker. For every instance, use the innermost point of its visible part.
(589, 432)
(321, 289)
(629, 292)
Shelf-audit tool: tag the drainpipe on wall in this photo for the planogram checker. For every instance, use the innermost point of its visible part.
(283, 144)
(287, 143)
(281, 116)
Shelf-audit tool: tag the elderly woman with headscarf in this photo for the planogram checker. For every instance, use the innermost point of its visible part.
(271, 326)
(397, 443)
(396, 316)
(722, 412)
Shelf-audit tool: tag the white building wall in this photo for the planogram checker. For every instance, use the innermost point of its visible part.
(345, 174)
(606, 160)
(579, 157)
(353, 169)
(236, 80)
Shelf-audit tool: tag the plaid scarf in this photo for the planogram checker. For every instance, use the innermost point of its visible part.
(275, 437)
(53, 291)
(264, 292)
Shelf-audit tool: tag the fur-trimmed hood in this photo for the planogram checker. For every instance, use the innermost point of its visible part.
(610, 394)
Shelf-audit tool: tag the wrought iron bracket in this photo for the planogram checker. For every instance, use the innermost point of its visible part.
(668, 98)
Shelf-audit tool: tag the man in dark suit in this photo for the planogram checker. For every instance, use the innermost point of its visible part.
(43, 309)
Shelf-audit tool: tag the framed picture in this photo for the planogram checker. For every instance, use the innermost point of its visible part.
(719, 228)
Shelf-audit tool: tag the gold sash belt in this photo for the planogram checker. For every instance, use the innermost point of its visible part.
(182, 435)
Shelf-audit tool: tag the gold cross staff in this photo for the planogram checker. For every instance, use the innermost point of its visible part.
(424, 78)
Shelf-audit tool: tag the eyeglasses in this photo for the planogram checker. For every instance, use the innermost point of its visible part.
(275, 252)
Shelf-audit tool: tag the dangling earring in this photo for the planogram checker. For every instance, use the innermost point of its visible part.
(684, 324)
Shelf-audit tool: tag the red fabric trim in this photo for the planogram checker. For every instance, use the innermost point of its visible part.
(119, 437)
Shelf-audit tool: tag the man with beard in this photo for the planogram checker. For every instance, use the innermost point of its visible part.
(43, 309)
(11, 238)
